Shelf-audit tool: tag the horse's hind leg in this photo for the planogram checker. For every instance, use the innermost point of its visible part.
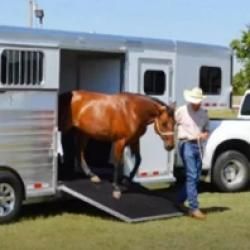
(118, 151)
(81, 143)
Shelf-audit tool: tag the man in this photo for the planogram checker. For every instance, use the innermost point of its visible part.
(192, 126)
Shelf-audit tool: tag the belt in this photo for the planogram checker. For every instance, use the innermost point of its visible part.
(189, 141)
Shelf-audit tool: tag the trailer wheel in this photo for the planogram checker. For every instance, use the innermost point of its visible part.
(231, 171)
(11, 196)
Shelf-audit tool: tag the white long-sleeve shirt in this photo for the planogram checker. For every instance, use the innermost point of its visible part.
(190, 123)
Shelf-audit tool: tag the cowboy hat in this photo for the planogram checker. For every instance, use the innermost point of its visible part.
(194, 95)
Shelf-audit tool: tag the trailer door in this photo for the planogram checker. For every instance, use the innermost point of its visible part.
(28, 116)
(155, 79)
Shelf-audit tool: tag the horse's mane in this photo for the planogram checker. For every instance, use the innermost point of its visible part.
(158, 101)
(154, 99)
(169, 108)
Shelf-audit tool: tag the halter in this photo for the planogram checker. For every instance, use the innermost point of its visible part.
(161, 132)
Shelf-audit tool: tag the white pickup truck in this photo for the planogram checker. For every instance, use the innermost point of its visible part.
(226, 154)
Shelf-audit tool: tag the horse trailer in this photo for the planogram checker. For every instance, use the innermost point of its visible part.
(36, 65)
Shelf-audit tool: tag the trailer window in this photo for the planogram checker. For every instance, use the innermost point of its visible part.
(154, 82)
(210, 80)
(20, 67)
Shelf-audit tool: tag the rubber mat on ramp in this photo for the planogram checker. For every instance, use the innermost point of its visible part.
(136, 204)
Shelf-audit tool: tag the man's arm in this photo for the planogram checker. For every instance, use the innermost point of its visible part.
(205, 133)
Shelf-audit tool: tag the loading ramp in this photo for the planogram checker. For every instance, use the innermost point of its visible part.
(136, 204)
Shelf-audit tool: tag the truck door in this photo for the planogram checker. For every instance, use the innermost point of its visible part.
(155, 79)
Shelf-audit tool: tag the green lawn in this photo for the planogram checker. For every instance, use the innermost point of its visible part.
(72, 225)
(222, 113)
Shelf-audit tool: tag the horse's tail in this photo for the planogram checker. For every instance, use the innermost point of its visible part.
(65, 112)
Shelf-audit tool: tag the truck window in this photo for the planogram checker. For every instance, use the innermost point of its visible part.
(19, 67)
(154, 82)
(245, 109)
(210, 80)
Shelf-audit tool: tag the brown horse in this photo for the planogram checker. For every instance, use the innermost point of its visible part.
(120, 118)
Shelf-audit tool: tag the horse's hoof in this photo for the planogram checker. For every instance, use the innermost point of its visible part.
(117, 195)
(124, 188)
(95, 179)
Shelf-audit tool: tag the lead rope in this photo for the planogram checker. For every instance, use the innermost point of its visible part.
(200, 148)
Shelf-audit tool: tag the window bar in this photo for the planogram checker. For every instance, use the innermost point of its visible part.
(20, 67)
(13, 66)
(25, 67)
(37, 67)
(7, 66)
(1, 65)
(31, 67)
(40, 71)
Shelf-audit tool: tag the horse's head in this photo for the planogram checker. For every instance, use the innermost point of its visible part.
(164, 125)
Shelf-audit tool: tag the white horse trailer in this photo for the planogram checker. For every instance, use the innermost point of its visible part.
(37, 65)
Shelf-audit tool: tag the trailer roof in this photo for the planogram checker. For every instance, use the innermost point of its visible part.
(83, 40)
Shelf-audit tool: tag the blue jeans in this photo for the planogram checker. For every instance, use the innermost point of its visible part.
(191, 158)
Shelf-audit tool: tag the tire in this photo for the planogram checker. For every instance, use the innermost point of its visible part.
(231, 171)
(11, 196)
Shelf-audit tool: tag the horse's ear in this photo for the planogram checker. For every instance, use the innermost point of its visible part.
(172, 105)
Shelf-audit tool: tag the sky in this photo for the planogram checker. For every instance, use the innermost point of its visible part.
(202, 21)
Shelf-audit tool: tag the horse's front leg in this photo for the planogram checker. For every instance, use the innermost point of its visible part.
(118, 153)
(81, 145)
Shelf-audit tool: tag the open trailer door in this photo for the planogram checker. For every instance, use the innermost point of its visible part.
(155, 79)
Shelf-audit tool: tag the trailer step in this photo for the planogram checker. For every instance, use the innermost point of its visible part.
(137, 204)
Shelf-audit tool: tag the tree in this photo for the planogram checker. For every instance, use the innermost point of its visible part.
(241, 46)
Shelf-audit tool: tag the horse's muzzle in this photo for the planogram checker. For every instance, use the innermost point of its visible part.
(169, 147)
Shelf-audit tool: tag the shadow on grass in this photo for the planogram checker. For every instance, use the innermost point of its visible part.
(60, 207)
(211, 210)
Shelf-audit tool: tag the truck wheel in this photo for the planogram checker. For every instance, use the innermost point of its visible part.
(11, 195)
(231, 171)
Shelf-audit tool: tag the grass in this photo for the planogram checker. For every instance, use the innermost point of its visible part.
(223, 113)
(73, 225)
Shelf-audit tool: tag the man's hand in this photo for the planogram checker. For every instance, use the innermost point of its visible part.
(203, 136)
